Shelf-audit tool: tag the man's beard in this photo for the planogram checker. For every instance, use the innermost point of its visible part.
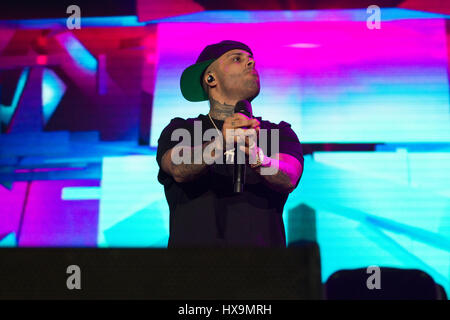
(252, 89)
(248, 91)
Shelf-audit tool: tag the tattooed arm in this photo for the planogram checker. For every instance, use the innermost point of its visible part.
(185, 172)
(284, 172)
(280, 172)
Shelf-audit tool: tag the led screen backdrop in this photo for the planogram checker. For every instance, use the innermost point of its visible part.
(334, 81)
(77, 167)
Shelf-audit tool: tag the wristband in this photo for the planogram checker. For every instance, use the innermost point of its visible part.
(260, 159)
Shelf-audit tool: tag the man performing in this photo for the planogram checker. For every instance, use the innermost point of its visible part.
(204, 209)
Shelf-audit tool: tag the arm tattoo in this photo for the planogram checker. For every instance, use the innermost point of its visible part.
(185, 172)
(281, 180)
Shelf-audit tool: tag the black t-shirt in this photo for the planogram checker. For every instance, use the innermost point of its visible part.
(206, 213)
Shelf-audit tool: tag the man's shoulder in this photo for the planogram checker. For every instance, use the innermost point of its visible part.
(182, 122)
(272, 125)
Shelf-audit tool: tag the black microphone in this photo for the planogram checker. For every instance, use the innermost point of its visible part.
(245, 108)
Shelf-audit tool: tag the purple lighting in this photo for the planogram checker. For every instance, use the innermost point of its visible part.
(51, 221)
(45, 170)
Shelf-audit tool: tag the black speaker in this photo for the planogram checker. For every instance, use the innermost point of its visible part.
(393, 284)
(55, 273)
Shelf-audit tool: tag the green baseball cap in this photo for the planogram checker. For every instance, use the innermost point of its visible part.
(191, 78)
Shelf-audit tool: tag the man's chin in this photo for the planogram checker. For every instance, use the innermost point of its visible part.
(251, 92)
(252, 95)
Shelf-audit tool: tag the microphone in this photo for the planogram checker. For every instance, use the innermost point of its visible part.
(245, 108)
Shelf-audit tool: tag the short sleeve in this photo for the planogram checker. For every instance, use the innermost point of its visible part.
(289, 142)
(165, 143)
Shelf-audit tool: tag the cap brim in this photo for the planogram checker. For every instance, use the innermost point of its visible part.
(190, 82)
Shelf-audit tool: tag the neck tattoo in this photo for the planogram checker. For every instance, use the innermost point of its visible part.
(220, 111)
(229, 153)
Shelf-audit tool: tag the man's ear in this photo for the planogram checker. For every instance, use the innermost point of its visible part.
(210, 79)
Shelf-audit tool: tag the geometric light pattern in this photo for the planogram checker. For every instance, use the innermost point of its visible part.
(133, 208)
(80, 55)
(53, 89)
(7, 112)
